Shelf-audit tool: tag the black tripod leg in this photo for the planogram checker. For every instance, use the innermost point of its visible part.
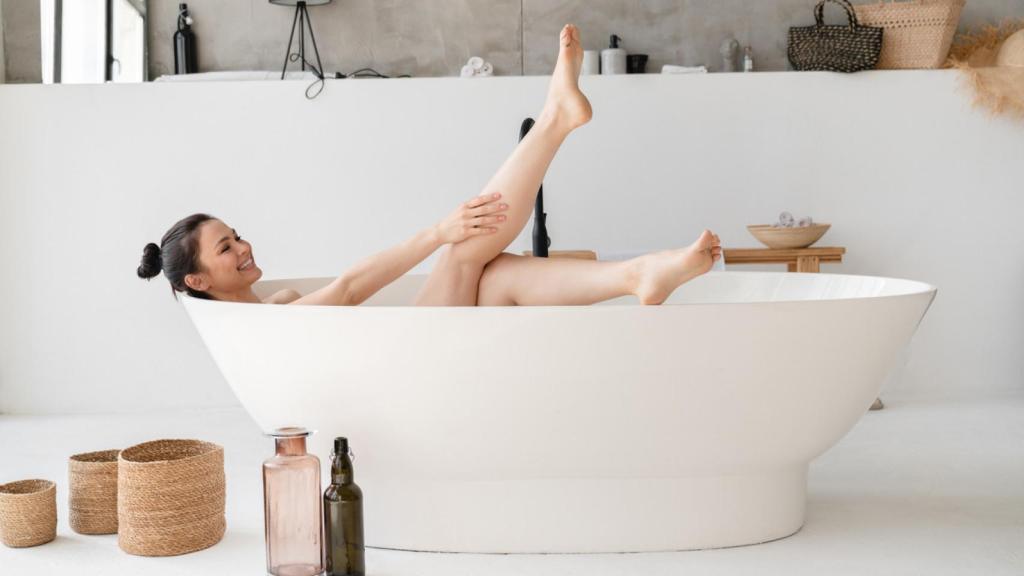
(303, 19)
(320, 66)
(291, 37)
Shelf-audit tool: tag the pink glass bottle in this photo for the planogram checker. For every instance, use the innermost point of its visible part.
(292, 513)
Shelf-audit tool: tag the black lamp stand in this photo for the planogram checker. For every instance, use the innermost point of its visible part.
(302, 21)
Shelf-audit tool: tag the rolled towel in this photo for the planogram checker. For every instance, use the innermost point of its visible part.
(805, 222)
(486, 70)
(467, 72)
(476, 63)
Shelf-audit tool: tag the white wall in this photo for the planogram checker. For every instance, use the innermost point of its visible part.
(915, 182)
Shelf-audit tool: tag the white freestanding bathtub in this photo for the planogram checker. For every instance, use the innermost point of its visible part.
(605, 428)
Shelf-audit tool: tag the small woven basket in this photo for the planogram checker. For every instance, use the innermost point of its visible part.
(170, 497)
(917, 34)
(850, 48)
(92, 501)
(28, 513)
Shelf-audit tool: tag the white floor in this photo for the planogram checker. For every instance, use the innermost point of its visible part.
(922, 487)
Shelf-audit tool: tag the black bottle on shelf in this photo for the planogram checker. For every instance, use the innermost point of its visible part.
(185, 61)
(343, 517)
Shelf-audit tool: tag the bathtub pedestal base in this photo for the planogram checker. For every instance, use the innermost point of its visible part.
(587, 515)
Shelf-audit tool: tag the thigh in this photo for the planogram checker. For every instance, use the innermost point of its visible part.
(452, 282)
(497, 284)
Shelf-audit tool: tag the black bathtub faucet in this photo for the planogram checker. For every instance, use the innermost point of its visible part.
(541, 241)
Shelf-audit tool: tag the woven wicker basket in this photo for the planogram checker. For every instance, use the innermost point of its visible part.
(92, 500)
(170, 497)
(28, 513)
(917, 33)
(850, 48)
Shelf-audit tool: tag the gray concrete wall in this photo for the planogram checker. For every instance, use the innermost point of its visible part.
(3, 68)
(436, 37)
(422, 38)
(690, 32)
(21, 41)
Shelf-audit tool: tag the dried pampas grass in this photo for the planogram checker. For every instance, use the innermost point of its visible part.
(998, 89)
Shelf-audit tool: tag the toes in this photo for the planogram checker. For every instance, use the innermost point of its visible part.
(570, 35)
(705, 240)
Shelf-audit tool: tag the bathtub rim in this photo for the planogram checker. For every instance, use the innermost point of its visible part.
(913, 288)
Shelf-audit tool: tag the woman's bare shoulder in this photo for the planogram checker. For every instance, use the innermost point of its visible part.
(285, 296)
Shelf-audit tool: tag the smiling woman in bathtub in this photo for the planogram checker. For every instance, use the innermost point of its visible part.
(202, 256)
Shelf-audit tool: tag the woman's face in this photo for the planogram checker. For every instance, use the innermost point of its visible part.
(226, 260)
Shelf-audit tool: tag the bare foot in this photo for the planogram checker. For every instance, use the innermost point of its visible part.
(566, 106)
(660, 273)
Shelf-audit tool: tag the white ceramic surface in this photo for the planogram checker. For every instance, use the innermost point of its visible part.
(575, 429)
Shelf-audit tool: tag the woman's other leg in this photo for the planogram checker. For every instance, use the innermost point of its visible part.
(511, 280)
(455, 278)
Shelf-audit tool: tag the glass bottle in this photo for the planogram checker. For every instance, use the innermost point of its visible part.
(291, 493)
(343, 517)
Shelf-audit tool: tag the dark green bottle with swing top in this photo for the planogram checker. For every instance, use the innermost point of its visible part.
(343, 517)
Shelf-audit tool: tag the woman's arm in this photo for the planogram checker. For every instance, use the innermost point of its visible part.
(371, 274)
(363, 280)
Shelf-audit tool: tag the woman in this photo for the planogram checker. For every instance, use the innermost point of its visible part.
(204, 257)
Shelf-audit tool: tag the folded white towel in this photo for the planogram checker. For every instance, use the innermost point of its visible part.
(673, 69)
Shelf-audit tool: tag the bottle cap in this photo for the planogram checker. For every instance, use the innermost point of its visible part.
(341, 445)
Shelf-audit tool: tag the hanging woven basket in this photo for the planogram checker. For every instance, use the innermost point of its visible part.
(92, 498)
(170, 497)
(28, 513)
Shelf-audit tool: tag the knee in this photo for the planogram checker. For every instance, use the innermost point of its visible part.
(465, 256)
(494, 281)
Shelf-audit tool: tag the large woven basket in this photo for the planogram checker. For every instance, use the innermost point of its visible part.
(918, 33)
(28, 513)
(92, 498)
(170, 497)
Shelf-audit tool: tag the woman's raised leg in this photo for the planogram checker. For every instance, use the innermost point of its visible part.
(510, 280)
(455, 279)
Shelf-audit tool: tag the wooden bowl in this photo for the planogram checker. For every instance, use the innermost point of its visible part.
(783, 238)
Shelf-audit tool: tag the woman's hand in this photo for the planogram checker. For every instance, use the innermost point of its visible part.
(474, 217)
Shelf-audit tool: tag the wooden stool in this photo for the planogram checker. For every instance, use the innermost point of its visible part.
(795, 259)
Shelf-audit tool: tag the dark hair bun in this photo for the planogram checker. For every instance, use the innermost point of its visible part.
(151, 262)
